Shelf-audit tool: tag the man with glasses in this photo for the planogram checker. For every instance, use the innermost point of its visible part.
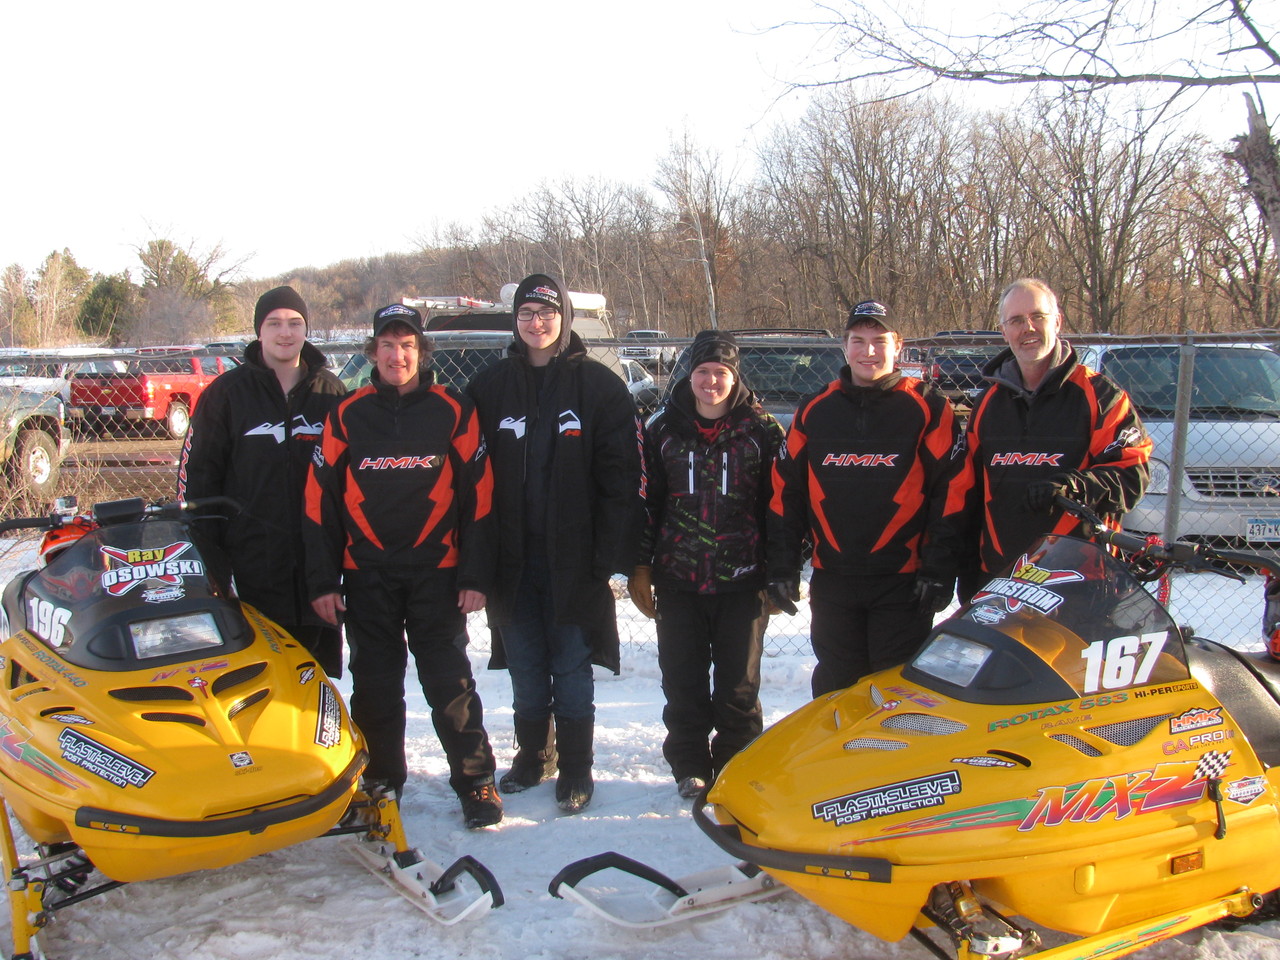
(1046, 426)
(563, 438)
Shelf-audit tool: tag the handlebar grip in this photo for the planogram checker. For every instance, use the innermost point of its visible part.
(27, 523)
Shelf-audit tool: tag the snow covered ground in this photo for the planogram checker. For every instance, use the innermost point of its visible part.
(313, 902)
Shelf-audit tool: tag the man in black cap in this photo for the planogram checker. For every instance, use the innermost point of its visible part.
(400, 538)
(563, 438)
(865, 475)
(251, 438)
(708, 456)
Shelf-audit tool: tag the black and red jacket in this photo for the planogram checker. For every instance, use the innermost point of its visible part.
(400, 480)
(1076, 422)
(864, 476)
(706, 498)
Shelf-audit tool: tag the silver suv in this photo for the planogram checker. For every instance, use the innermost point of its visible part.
(1230, 485)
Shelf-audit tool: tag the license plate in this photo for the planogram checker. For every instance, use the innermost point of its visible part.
(108, 411)
(1264, 528)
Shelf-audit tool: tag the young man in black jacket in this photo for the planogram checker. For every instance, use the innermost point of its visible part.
(708, 456)
(399, 537)
(251, 439)
(563, 439)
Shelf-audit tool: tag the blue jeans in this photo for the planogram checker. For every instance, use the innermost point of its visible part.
(549, 662)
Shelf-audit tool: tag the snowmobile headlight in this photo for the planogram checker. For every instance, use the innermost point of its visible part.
(955, 660)
(161, 638)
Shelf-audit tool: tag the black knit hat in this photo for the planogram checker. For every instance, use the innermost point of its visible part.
(398, 313)
(714, 346)
(869, 312)
(275, 299)
(539, 288)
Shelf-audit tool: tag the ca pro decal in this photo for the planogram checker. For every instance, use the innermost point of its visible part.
(1028, 584)
(885, 801)
(156, 563)
(329, 718)
(102, 761)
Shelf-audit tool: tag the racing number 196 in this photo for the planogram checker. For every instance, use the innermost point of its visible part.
(1114, 664)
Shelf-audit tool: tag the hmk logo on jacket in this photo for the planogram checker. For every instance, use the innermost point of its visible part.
(398, 463)
(859, 459)
(570, 425)
(1025, 459)
(514, 424)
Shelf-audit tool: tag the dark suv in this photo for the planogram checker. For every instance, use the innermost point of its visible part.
(781, 366)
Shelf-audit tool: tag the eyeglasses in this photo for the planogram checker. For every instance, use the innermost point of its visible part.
(527, 314)
(1020, 321)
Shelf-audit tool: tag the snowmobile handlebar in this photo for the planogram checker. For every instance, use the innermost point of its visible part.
(1188, 556)
(121, 511)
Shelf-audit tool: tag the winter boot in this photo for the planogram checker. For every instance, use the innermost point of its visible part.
(481, 805)
(574, 786)
(536, 758)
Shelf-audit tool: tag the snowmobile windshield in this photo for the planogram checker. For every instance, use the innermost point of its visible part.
(1066, 620)
(134, 595)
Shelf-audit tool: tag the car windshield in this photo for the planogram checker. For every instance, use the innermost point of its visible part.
(1231, 382)
(789, 373)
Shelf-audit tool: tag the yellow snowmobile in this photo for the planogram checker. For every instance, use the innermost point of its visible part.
(152, 725)
(1058, 755)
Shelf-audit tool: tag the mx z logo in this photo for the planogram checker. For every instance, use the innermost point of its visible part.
(300, 429)
(514, 424)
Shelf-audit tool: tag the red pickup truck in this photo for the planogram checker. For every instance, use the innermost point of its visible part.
(158, 390)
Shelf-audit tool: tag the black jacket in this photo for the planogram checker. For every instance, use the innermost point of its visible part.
(400, 480)
(706, 500)
(1076, 422)
(250, 442)
(582, 428)
(866, 475)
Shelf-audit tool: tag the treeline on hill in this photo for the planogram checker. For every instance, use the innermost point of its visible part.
(925, 206)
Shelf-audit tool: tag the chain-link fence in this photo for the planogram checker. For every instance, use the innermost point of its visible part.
(1212, 407)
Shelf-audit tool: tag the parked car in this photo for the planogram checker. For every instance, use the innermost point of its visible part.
(1230, 483)
(34, 440)
(159, 390)
(781, 366)
(46, 373)
(652, 348)
(644, 389)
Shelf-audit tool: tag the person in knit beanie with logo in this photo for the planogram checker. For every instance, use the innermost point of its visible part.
(563, 439)
(251, 438)
(700, 571)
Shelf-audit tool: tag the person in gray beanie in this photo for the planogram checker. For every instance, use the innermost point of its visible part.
(562, 434)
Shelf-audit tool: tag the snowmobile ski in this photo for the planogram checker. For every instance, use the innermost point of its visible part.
(671, 901)
(431, 888)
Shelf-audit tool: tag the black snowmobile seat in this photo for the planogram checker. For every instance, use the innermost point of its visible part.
(1249, 687)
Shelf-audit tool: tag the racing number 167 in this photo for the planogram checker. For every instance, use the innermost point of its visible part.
(1121, 661)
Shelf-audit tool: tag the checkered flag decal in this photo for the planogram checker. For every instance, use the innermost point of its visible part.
(1212, 764)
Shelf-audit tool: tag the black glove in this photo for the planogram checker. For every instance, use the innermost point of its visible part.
(933, 595)
(1040, 493)
(784, 593)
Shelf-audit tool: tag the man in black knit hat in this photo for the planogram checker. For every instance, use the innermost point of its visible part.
(563, 439)
(251, 438)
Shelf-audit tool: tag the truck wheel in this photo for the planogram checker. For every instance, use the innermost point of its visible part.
(178, 420)
(35, 463)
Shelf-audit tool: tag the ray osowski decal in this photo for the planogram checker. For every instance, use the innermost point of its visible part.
(133, 567)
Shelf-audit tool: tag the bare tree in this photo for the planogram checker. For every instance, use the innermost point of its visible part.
(1076, 45)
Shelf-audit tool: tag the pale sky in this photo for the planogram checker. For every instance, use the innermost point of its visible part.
(304, 133)
(296, 134)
